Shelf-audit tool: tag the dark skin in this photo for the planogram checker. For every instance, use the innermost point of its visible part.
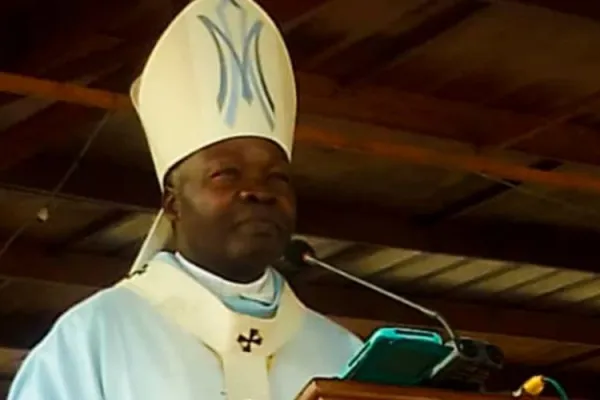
(233, 207)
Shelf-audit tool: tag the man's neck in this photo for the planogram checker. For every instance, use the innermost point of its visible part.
(236, 275)
(261, 289)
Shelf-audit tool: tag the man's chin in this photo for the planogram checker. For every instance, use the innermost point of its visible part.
(259, 251)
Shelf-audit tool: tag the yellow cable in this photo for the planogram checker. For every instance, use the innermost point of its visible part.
(534, 386)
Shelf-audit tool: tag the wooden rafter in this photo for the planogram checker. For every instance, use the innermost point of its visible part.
(580, 8)
(107, 221)
(480, 165)
(70, 93)
(377, 55)
(58, 121)
(377, 146)
(288, 11)
(67, 31)
(482, 127)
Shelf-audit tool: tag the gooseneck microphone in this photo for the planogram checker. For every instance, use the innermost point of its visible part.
(467, 363)
(300, 253)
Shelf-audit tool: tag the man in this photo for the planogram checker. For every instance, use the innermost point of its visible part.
(210, 320)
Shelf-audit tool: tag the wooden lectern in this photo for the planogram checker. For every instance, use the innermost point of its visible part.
(325, 389)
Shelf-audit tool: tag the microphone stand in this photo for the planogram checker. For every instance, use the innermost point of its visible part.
(430, 313)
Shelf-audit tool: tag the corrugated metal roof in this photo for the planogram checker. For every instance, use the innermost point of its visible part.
(460, 277)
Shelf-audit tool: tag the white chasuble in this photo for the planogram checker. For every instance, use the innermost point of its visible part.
(175, 341)
(243, 343)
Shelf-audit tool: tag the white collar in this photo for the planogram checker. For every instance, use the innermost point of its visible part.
(261, 289)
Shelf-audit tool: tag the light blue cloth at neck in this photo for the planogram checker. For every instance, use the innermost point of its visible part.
(238, 303)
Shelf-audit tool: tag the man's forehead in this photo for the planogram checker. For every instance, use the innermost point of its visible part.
(250, 149)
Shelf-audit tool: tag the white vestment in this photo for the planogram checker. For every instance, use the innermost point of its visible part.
(116, 345)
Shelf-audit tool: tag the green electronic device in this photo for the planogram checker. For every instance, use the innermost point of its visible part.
(397, 356)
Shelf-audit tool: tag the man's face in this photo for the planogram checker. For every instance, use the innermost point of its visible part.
(233, 206)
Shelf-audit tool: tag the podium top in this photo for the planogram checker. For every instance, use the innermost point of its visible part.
(333, 389)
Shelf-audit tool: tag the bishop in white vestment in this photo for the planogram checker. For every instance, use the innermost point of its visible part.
(211, 319)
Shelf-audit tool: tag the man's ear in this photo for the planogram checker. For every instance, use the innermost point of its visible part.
(170, 203)
(170, 197)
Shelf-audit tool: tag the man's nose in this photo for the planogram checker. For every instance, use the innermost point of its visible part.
(258, 195)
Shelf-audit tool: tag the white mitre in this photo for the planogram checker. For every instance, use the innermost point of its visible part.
(221, 70)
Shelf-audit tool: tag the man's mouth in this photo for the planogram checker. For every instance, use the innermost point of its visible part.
(261, 225)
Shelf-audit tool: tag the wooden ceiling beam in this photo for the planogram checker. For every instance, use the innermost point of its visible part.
(417, 28)
(38, 263)
(368, 48)
(95, 62)
(91, 42)
(482, 127)
(65, 92)
(417, 155)
(23, 140)
(30, 261)
(60, 32)
(288, 13)
(110, 219)
(361, 223)
(90, 182)
(380, 145)
(56, 122)
(580, 8)
(506, 241)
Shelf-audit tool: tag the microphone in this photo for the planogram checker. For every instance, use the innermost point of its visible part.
(468, 362)
(300, 252)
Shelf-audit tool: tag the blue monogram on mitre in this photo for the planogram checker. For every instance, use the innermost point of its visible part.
(240, 69)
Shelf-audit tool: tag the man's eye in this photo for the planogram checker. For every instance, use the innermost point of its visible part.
(225, 173)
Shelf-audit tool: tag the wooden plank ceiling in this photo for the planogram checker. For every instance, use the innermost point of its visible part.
(448, 150)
